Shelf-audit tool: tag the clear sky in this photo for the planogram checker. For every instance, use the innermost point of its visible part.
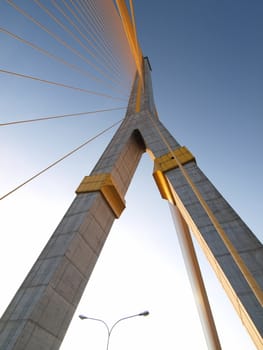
(207, 73)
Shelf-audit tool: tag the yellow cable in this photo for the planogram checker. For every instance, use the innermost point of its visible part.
(134, 24)
(120, 41)
(128, 28)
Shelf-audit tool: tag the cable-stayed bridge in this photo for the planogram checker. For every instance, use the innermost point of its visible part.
(100, 71)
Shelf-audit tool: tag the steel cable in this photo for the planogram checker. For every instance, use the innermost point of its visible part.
(100, 55)
(90, 17)
(93, 65)
(59, 59)
(57, 38)
(60, 160)
(59, 84)
(61, 116)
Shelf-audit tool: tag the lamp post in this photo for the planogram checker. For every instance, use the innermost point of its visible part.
(109, 329)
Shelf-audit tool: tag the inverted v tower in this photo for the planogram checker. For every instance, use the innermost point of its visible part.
(41, 311)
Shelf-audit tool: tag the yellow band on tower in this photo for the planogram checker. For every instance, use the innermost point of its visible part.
(167, 162)
(105, 184)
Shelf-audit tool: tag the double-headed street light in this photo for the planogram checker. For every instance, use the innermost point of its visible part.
(109, 329)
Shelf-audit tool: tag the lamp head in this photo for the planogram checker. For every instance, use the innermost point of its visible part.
(144, 313)
(82, 317)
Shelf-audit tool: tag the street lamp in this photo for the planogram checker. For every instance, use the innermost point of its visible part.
(109, 329)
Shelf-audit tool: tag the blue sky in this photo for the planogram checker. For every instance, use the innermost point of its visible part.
(207, 76)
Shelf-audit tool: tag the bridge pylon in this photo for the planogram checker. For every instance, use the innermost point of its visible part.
(41, 311)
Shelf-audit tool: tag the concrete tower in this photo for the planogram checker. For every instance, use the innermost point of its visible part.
(41, 311)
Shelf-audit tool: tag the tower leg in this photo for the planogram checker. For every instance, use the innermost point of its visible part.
(245, 244)
(38, 316)
(196, 280)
